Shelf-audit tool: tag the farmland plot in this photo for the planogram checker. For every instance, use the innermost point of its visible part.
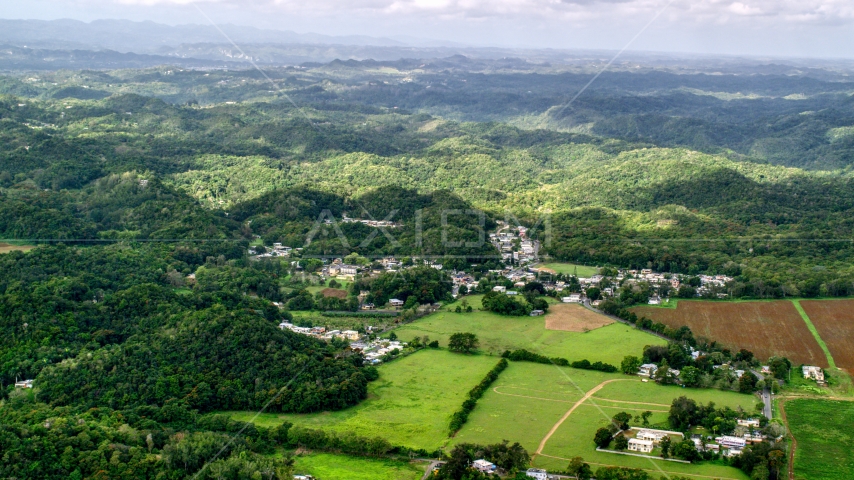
(765, 328)
(834, 320)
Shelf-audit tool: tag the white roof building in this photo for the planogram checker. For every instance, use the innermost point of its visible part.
(537, 473)
(642, 446)
(484, 466)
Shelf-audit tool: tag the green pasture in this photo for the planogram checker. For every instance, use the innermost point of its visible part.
(499, 333)
(822, 429)
(571, 269)
(410, 404)
(324, 466)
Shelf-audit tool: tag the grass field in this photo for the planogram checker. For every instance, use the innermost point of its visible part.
(765, 328)
(568, 317)
(325, 466)
(498, 333)
(528, 399)
(6, 248)
(570, 269)
(410, 405)
(822, 429)
(833, 322)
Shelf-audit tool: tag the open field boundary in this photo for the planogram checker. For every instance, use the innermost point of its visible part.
(642, 456)
(815, 333)
(677, 474)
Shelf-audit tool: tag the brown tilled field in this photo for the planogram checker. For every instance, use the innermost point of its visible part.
(834, 320)
(333, 292)
(765, 328)
(574, 318)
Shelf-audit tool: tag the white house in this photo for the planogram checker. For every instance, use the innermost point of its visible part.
(651, 435)
(537, 313)
(396, 302)
(512, 292)
(648, 369)
(351, 335)
(537, 473)
(731, 442)
(499, 289)
(655, 300)
(813, 372)
(484, 466)
(24, 384)
(641, 446)
(750, 422)
(572, 298)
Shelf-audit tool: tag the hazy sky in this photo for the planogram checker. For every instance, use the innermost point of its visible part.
(816, 28)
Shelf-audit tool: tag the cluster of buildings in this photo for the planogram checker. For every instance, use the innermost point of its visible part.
(370, 223)
(377, 349)
(645, 440)
(278, 250)
(321, 333)
(506, 240)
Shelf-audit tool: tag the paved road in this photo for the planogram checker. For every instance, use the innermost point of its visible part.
(766, 399)
(765, 395)
(430, 468)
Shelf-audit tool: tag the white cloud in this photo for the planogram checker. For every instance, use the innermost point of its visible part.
(790, 11)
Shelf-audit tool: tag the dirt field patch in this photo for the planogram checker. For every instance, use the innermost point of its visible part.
(6, 248)
(834, 320)
(569, 317)
(333, 292)
(765, 328)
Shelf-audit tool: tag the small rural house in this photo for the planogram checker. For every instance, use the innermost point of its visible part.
(537, 473)
(640, 446)
(24, 384)
(537, 313)
(396, 302)
(351, 335)
(647, 369)
(499, 289)
(572, 298)
(655, 300)
(813, 372)
(731, 442)
(484, 466)
(651, 435)
(750, 422)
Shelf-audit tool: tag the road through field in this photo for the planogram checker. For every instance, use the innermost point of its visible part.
(678, 474)
(572, 409)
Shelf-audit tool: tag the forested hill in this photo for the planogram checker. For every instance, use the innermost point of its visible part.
(782, 114)
(229, 171)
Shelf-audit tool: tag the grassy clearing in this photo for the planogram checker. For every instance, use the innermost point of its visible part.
(6, 248)
(340, 467)
(814, 332)
(575, 438)
(497, 334)
(410, 405)
(570, 269)
(822, 429)
(506, 412)
(528, 399)
(664, 394)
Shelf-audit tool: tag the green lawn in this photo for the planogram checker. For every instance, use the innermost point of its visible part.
(575, 438)
(410, 405)
(498, 333)
(823, 431)
(324, 466)
(509, 412)
(571, 269)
